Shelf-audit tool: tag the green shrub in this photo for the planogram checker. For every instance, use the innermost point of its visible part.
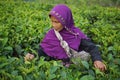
(23, 25)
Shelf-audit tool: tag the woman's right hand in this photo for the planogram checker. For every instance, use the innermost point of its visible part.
(100, 65)
(28, 57)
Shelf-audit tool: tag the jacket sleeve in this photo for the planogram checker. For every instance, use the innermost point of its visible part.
(48, 58)
(91, 48)
(42, 53)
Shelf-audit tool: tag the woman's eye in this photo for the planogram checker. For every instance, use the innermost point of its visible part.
(55, 21)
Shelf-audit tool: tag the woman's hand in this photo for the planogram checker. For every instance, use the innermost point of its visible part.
(28, 57)
(100, 65)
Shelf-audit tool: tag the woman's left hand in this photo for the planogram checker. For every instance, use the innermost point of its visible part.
(28, 57)
(100, 65)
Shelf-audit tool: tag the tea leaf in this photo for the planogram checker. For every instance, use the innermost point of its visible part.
(87, 77)
(18, 78)
(85, 63)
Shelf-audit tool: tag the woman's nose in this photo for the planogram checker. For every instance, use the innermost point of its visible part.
(53, 24)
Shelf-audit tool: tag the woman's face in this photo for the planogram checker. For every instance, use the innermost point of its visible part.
(56, 24)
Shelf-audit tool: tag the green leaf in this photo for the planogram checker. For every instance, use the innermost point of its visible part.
(63, 74)
(18, 49)
(85, 63)
(3, 65)
(110, 57)
(97, 71)
(42, 75)
(53, 69)
(15, 72)
(110, 48)
(3, 42)
(87, 77)
(18, 78)
(52, 76)
(9, 48)
(55, 63)
(91, 72)
(117, 61)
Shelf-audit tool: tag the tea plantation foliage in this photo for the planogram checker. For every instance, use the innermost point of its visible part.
(24, 24)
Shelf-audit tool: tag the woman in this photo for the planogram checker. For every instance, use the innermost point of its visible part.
(62, 22)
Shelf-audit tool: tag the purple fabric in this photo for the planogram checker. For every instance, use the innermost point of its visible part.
(51, 45)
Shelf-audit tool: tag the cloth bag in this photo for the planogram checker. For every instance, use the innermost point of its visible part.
(74, 56)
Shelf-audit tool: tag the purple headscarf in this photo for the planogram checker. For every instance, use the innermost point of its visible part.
(71, 34)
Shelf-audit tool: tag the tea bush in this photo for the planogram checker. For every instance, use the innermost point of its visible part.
(23, 25)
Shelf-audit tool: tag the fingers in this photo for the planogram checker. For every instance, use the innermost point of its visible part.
(100, 65)
(102, 69)
(105, 67)
(95, 66)
(29, 57)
